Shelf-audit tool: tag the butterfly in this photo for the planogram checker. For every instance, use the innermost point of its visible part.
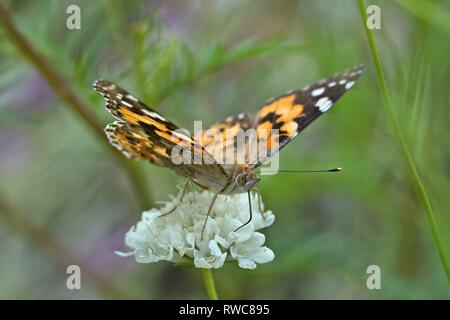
(141, 133)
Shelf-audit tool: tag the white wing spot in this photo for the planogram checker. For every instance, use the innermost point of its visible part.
(130, 97)
(349, 84)
(332, 84)
(324, 104)
(153, 114)
(343, 81)
(241, 116)
(126, 104)
(317, 92)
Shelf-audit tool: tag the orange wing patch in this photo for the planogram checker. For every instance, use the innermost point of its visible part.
(222, 136)
(134, 118)
(278, 104)
(278, 114)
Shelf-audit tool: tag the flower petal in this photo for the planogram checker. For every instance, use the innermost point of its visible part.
(179, 234)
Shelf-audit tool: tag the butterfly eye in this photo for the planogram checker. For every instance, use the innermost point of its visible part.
(240, 181)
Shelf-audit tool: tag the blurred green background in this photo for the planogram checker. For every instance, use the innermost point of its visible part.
(65, 198)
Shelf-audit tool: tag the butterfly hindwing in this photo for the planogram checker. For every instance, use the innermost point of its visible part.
(135, 144)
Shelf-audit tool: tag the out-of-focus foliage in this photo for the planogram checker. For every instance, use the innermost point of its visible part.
(205, 60)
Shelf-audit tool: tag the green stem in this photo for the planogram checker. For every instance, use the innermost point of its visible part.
(402, 141)
(209, 284)
(431, 12)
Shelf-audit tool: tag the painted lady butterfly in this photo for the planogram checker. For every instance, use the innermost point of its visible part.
(143, 133)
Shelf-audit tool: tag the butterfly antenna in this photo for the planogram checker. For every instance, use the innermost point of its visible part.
(338, 169)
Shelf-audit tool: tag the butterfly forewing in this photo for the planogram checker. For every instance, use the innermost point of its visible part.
(291, 113)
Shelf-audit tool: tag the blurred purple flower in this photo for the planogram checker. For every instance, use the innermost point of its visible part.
(101, 257)
(16, 150)
(30, 95)
(174, 19)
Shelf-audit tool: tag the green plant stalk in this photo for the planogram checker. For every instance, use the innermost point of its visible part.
(209, 284)
(402, 141)
(63, 89)
(429, 11)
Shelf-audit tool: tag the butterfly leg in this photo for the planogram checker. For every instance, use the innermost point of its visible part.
(207, 214)
(260, 205)
(180, 199)
(250, 208)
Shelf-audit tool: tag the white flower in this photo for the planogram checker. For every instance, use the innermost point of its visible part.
(177, 236)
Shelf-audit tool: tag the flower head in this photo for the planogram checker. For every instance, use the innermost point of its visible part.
(177, 236)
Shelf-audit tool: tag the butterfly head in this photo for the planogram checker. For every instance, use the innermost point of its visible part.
(246, 178)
